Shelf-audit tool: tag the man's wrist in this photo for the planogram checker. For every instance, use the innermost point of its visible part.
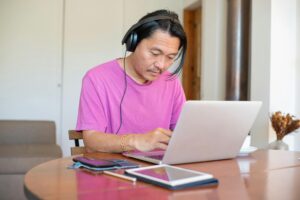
(128, 142)
(132, 141)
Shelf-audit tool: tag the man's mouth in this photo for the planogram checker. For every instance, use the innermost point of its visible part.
(155, 72)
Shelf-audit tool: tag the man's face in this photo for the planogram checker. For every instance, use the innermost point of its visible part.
(153, 56)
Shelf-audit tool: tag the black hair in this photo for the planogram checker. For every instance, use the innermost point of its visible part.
(173, 27)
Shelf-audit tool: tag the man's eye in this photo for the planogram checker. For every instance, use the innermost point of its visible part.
(155, 53)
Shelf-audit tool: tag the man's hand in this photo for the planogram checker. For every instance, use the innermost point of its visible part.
(156, 139)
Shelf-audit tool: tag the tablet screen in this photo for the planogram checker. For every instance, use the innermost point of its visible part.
(168, 173)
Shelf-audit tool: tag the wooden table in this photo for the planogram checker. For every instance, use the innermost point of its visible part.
(263, 174)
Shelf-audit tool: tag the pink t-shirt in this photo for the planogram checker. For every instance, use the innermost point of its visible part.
(144, 108)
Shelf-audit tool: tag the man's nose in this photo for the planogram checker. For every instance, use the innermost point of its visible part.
(160, 63)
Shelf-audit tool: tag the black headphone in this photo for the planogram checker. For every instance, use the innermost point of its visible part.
(131, 37)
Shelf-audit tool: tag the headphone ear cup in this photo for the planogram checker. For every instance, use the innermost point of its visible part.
(131, 42)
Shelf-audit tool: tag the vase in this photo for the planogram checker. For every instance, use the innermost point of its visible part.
(278, 145)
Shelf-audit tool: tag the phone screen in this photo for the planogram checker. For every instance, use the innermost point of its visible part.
(168, 173)
(95, 162)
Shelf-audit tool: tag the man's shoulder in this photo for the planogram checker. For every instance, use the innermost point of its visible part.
(102, 70)
(107, 66)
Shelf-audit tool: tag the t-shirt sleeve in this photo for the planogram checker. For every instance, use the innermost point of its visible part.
(91, 112)
(179, 99)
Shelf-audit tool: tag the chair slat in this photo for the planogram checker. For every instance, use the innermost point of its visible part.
(75, 135)
(77, 150)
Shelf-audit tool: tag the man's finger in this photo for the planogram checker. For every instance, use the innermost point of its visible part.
(161, 146)
(166, 131)
(164, 138)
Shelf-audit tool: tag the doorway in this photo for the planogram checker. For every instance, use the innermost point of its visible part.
(191, 77)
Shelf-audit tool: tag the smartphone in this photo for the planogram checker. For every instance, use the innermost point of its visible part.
(93, 162)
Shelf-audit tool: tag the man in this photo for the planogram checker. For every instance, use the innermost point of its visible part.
(133, 103)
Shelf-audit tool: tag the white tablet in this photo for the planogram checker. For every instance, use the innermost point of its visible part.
(171, 177)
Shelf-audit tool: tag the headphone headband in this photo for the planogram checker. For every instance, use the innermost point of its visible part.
(130, 38)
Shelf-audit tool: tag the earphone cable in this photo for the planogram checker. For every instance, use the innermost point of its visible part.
(125, 89)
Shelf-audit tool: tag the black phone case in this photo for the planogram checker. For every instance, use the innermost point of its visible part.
(92, 162)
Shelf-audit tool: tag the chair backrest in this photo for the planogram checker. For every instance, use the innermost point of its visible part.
(27, 132)
(76, 136)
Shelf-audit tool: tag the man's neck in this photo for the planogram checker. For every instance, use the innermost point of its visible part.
(130, 70)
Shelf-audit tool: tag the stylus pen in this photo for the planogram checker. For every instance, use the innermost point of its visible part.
(120, 176)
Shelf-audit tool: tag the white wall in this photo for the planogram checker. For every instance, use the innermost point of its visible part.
(283, 61)
(213, 49)
(298, 62)
(283, 56)
(135, 9)
(260, 68)
(297, 74)
(30, 60)
(189, 3)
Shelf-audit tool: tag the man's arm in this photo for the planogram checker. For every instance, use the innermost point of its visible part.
(98, 141)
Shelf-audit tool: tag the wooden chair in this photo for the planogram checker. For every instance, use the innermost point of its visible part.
(76, 136)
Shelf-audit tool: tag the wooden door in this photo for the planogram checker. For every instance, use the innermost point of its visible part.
(192, 68)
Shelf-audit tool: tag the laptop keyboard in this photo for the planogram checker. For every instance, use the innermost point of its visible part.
(157, 157)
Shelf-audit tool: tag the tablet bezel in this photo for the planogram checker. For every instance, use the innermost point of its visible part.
(199, 176)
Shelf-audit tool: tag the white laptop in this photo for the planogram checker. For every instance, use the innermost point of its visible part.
(206, 131)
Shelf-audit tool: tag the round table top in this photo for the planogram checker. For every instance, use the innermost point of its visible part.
(263, 174)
